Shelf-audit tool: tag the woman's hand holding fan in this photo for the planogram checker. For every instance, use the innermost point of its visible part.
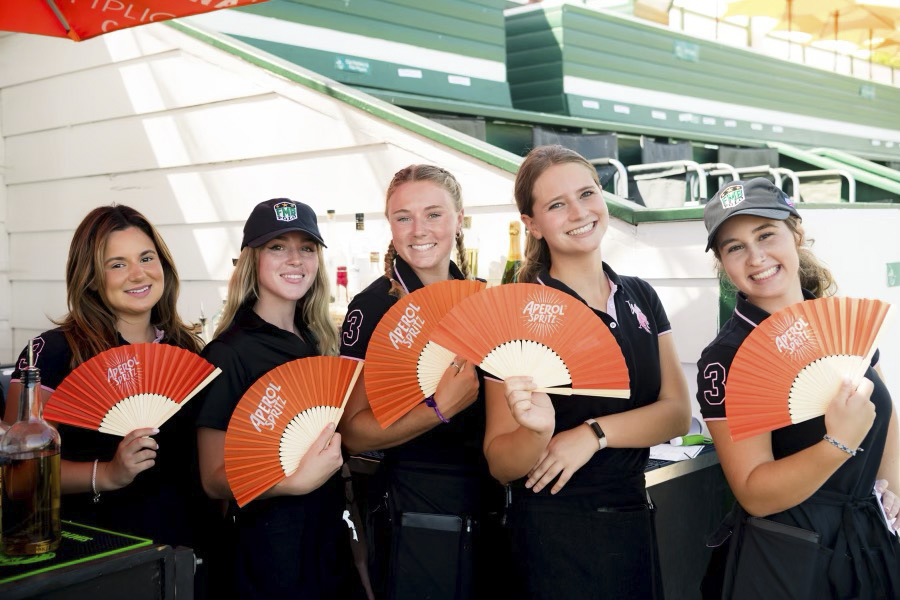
(135, 454)
(320, 462)
(531, 409)
(457, 389)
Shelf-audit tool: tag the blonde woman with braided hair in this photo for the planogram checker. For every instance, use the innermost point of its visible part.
(438, 489)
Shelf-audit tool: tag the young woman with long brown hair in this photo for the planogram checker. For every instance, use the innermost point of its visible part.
(814, 479)
(580, 517)
(122, 288)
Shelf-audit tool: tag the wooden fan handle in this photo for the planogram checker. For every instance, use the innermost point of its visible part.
(605, 393)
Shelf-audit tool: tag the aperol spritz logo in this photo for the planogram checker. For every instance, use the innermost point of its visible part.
(543, 314)
(408, 327)
(794, 338)
(270, 407)
(124, 371)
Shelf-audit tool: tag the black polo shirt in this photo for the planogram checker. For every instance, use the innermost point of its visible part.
(246, 351)
(161, 502)
(636, 318)
(458, 442)
(286, 546)
(857, 475)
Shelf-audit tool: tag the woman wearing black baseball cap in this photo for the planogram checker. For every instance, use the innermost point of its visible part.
(291, 541)
(811, 480)
(580, 516)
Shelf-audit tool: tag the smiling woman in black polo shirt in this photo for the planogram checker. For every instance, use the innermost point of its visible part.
(439, 492)
(291, 541)
(581, 523)
(814, 475)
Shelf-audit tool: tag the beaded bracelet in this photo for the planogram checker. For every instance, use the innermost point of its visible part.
(840, 446)
(94, 481)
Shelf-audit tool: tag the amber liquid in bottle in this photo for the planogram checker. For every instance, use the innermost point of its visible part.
(30, 504)
(29, 475)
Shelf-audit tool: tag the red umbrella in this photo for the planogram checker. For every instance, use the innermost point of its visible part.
(83, 19)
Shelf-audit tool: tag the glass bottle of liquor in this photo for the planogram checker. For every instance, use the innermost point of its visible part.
(470, 240)
(514, 258)
(29, 475)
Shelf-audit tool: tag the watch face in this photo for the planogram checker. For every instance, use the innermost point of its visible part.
(598, 431)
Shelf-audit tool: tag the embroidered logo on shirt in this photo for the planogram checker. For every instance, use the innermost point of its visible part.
(285, 211)
(37, 344)
(352, 325)
(642, 320)
(541, 315)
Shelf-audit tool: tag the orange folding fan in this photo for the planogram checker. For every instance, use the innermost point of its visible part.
(529, 329)
(129, 387)
(280, 416)
(789, 367)
(403, 365)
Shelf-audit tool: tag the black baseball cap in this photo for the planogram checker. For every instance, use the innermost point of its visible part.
(273, 217)
(759, 197)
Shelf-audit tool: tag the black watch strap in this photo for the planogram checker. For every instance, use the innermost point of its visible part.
(598, 431)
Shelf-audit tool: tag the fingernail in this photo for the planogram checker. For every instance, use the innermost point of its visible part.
(332, 426)
(155, 431)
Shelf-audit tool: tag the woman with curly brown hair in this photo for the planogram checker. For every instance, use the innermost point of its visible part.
(820, 532)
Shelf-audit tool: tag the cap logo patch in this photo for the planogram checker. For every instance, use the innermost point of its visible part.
(731, 196)
(285, 211)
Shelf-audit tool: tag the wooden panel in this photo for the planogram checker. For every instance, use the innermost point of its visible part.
(26, 57)
(36, 303)
(156, 83)
(5, 298)
(226, 193)
(223, 132)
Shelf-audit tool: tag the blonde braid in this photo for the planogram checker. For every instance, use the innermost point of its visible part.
(396, 289)
(461, 255)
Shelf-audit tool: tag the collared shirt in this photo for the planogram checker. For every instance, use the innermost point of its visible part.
(458, 442)
(246, 351)
(636, 318)
(857, 475)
